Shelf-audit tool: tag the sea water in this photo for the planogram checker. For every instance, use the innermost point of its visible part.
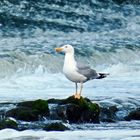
(106, 36)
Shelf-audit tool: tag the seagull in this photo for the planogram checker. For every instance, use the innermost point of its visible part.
(76, 72)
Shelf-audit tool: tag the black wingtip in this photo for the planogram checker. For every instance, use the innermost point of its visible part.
(102, 75)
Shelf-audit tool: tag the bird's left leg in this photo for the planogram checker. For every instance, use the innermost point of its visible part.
(78, 96)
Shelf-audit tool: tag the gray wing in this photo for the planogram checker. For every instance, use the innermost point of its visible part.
(87, 71)
(82, 66)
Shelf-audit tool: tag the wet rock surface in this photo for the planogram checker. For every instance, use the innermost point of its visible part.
(57, 126)
(108, 114)
(134, 115)
(55, 114)
(29, 110)
(8, 123)
(77, 110)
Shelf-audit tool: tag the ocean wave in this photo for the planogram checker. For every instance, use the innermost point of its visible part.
(67, 16)
(19, 63)
(103, 33)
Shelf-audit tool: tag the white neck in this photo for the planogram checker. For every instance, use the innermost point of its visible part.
(69, 61)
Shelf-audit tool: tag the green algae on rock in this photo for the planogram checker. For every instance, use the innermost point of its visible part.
(69, 109)
(29, 110)
(57, 126)
(40, 105)
(78, 110)
(8, 123)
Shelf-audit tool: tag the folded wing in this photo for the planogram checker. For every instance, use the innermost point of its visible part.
(87, 72)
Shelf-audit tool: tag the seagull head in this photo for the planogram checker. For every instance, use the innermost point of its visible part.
(66, 49)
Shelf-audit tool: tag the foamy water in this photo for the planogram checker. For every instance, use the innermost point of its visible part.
(76, 135)
(47, 85)
(105, 35)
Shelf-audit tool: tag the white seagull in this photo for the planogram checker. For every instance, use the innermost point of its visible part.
(76, 72)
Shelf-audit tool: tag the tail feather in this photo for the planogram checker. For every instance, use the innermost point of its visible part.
(102, 75)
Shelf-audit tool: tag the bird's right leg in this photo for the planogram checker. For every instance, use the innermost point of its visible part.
(76, 94)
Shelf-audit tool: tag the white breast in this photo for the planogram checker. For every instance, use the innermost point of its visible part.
(74, 76)
(69, 69)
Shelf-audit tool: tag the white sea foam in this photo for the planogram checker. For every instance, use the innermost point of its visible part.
(43, 84)
(68, 135)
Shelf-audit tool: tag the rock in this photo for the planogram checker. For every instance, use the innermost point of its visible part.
(74, 113)
(108, 114)
(134, 115)
(58, 113)
(78, 110)
(23, 113)
(8, 123)
(57, 126)
(69, 109)
(40, 105)
(54, 101)
(29, 110)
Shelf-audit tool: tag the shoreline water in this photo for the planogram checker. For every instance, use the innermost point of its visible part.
(39, 114)
(82, 135)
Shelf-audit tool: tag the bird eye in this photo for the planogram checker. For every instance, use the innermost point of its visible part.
(66, 46)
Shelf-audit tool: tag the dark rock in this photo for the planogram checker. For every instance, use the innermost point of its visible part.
(30, 110)
(58, 113)
(40, 105)
(23, 113)
(74, 113)
(69, 109)
(57, 126)
(8, 123)
(70, 99)
(134, 115)
(2, 113)
(54, 101)
(78, 110)
(108, 114)
(82, 102)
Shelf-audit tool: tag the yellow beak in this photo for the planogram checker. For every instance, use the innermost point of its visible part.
(58, 49)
